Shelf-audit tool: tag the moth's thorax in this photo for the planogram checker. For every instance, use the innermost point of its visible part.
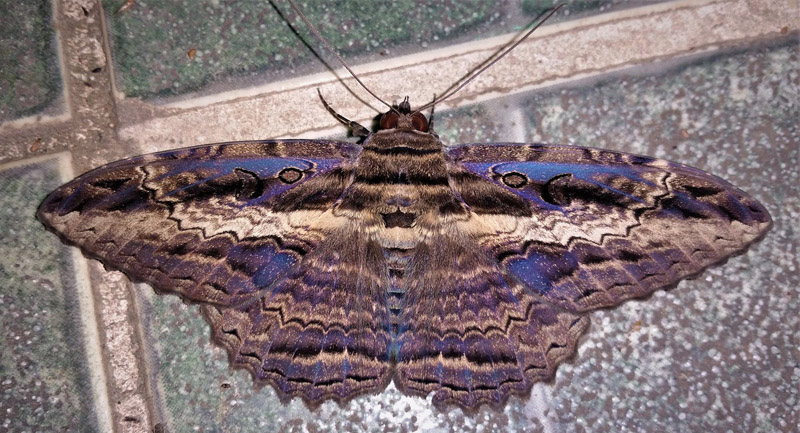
(400, 177)
(401, 169)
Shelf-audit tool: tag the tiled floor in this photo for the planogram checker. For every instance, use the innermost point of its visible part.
(719, 353)
(46, 374)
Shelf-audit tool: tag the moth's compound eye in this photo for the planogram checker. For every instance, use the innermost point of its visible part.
(515, 179)
(389, 120)
(419, 122)
(290, 175)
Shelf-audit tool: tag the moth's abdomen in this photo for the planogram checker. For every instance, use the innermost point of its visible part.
(397, 262)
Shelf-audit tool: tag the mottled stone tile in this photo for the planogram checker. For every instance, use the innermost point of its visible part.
(49, 371)
(29, 78)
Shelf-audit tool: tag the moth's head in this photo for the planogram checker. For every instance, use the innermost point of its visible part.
(401, 117)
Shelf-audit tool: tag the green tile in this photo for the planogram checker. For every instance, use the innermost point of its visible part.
(579, 7)
(199, 390)
(44, 376)
(29, 78)
(249, 41)
(151, 39)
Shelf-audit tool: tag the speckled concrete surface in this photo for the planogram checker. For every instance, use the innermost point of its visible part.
(717, 354)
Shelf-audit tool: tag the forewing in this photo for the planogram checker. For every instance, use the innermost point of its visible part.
(587, 228)
(246, 229)
(212, 223)
(470, 333)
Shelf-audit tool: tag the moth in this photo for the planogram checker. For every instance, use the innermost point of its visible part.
(329, 269)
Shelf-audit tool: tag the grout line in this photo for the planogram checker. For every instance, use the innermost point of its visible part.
(91, 325)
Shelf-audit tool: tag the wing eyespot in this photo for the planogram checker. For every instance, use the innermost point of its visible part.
(554, 191)
(290, 175)
(515, 179)
(249, 185)
(111, 184)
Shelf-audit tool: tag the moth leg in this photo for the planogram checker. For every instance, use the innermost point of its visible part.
(355, 127)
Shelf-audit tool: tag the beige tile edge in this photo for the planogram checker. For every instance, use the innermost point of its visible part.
(90, 328)
(123, 348)
(556, 53)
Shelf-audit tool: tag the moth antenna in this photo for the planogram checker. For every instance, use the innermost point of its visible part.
(495, 60)
(335, 53)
